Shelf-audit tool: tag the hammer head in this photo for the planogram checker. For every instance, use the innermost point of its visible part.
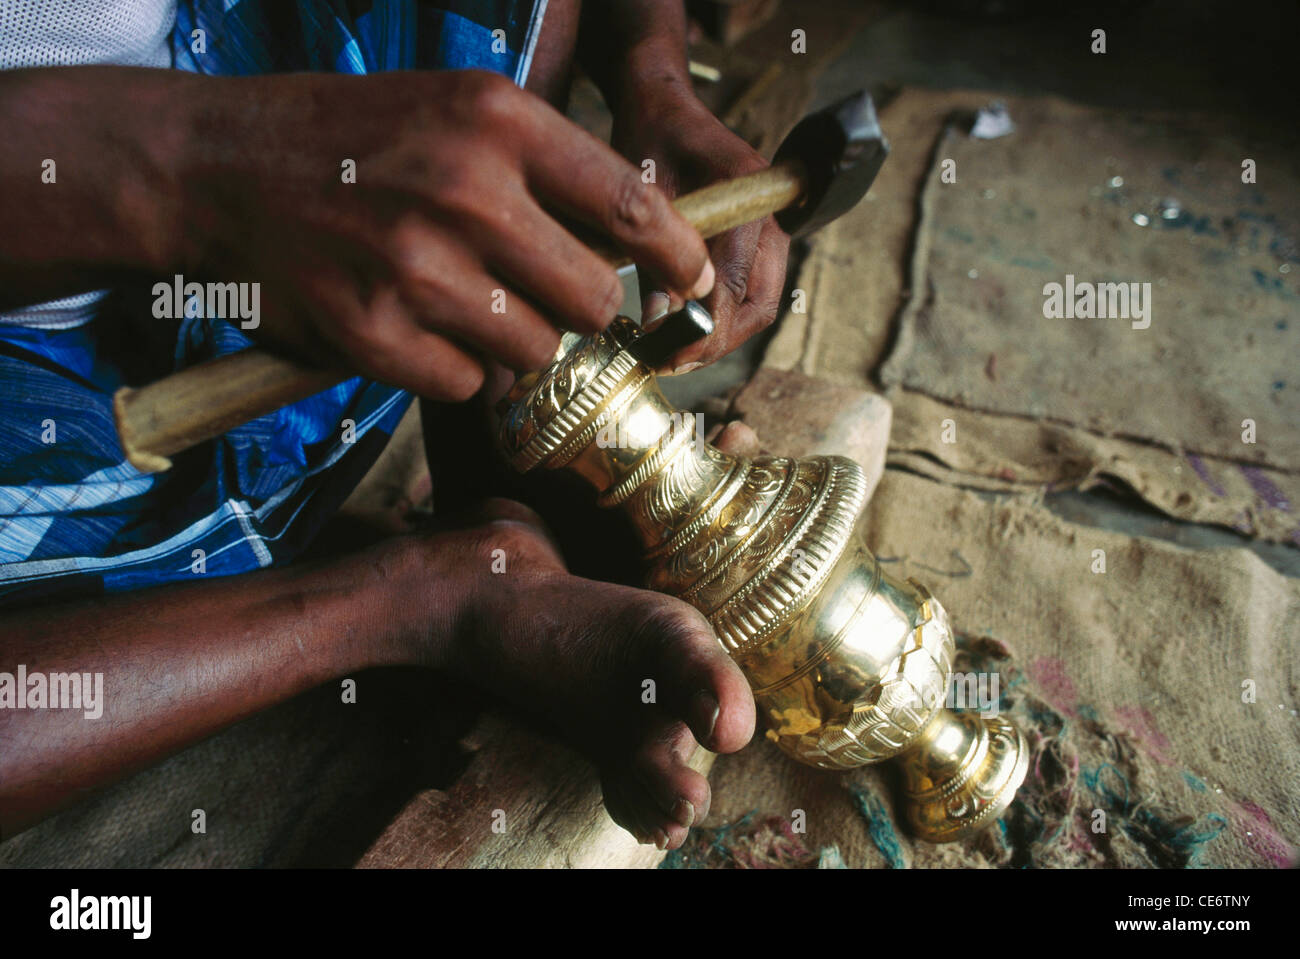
(841, 149)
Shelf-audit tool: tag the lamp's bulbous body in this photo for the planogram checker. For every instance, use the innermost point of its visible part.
(848, 665)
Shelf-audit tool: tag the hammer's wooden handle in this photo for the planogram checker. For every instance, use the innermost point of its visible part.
(196, 404)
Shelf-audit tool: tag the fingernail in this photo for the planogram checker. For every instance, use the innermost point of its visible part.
(704, 285)
(654, 310)
(686, 368)
(661, 839)
(684, 813)
(704, 714)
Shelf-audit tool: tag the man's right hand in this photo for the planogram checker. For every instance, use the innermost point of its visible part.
(442, 254)
(444, 251)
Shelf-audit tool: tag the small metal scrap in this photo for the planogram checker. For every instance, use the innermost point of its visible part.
(991, 122)
(705, 72)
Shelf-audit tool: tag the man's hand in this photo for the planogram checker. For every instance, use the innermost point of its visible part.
(635, 50)
(691, 148)
(399, 224)
(444, 250)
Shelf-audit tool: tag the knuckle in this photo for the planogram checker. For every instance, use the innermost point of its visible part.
(358, 335)
(636, 207)
(540, 350)
(753, 318)
(519, 539)
(606, 300)
(680, 742)
(497, 218)
(457, 193)
(491, 96)
(407, 241)
(422, 282)
(735, 282)
(459, 383)
(374, 357)
(769, 306)
(662, 626)
(480, 198)
(749, 162)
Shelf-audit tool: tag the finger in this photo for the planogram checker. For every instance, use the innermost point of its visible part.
(656, 300)
(381, 340)
(387, 345)
(497, 383)
(580, 290)
(700, 684)
(500, 509)
(629, 805)
(449, 293)
(747, 298)
(733, 253)
(679, 793)
(655, 305)
(585, 178)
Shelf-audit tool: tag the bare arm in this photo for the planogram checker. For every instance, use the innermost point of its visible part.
(181, 663)
(649, 40)
(89, 191)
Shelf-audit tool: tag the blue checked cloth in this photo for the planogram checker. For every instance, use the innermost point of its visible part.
(75, 517)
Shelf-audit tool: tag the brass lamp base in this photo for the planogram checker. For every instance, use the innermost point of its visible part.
(962, 774)
(848, 666)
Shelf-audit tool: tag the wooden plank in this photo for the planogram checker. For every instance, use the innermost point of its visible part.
(542, 798)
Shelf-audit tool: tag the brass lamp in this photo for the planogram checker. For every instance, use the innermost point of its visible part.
(848, 666)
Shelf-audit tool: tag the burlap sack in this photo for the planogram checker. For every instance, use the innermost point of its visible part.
(1109, 198)
(991, 452)
(974, 353)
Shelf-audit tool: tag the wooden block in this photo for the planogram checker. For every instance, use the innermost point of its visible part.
(798, 415)
(544, 799)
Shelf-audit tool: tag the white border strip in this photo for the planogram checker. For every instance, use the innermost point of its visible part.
(530, 42)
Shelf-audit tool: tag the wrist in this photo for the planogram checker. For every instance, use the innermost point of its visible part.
(135, 125)
(412, 605)
(650, 109)
(652, 77)
(168, 144)
(89, 171)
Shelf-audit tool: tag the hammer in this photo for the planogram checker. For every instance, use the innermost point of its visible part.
(824, 167)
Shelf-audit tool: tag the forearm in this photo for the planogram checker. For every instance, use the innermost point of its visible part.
(634, 48)
(179, 664)
(88, 177)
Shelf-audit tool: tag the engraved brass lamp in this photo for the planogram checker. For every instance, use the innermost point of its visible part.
(848, 666)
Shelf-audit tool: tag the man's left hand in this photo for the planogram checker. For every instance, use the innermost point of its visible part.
(692, 148)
